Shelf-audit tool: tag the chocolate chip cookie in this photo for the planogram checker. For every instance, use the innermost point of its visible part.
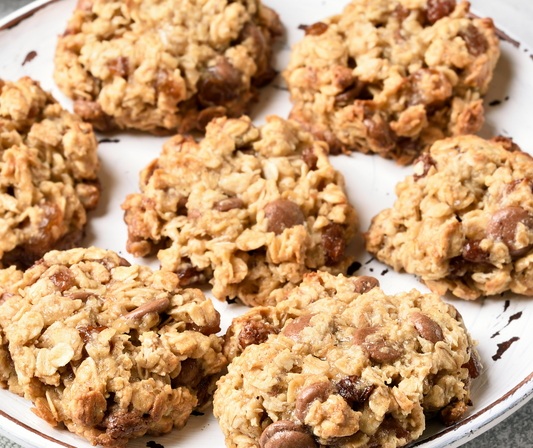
(110, 350)
(165, 65)
(392, 77)
(251, 209)
(464, 221)
(345, 365)
(48, 182)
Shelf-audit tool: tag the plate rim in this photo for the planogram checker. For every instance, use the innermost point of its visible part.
(469, 428)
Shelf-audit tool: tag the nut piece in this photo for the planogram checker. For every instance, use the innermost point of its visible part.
(157, 306)
(379, 350)
(286, 434)
(228, 204)
(365, 283)
(293, 329)
(427, 328)
(283, 214)
(316, 391)
(503, 225)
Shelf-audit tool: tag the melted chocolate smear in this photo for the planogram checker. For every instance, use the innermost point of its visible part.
(503, 347)
(495, 103)
(513, 317)
(370, 261)
(197, 414)
(384, 271)
(506, 305)
(109, 140)
(231, 301)
(152, 444)
(29, 57)
(354, 267)
(506, 98)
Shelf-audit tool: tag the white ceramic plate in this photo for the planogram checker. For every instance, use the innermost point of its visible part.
(506, 383)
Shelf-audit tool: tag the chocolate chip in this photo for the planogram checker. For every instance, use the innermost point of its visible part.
(293, 329)
(365, 283)
(123, 424)
(334, 243)
(286, 434)
(473, 365)
(437, 9)
(350, 94)
(189, 375)
(503, 225)
(225, 205)
(316, 29)
(316, 391)
(379, 133)
(283, 214)
(473, 252)
(427, 327)
(220, 85)
(378, 350)
(29, 57)
(310, 158)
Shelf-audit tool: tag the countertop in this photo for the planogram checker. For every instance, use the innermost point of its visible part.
(514, 432)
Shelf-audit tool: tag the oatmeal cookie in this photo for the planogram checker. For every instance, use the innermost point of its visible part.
(48, 181)
(393, 76)
(111, 350)
(351, 366)
(164, 65)
(464, 220)
(250, 209)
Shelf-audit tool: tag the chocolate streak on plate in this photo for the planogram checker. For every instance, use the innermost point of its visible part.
(513, 317)
(370, 261)
(39, 433)
(506, 305)
(152, 444)
(498, 32)
(29, 57)
(19, 19)
(503, 347)
(109, 140)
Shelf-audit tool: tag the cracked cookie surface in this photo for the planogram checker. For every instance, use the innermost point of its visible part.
(464, 221)
(344, 364)
(251, 209)
(112, 351)
(392, 77)
(162, 66)
(48, 182)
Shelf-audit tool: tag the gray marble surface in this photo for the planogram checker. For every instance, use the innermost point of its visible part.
(515, 432)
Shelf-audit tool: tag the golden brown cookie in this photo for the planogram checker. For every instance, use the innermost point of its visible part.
(110, 350)
(344, 365)
(250, 209)
(393, 76)
(464, 220)
(48, 182)
(162, 66)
